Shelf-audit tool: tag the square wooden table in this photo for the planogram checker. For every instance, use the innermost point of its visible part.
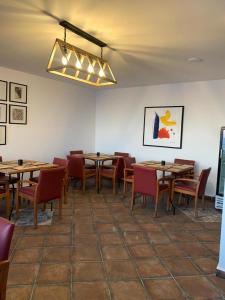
(176, 169)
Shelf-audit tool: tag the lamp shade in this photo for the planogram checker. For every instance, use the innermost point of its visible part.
(77, 64)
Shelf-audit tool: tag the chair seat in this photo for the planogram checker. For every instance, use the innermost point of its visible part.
(27, 190)
(185, 187)
(129, 178)
(90, 171)
(107, 171)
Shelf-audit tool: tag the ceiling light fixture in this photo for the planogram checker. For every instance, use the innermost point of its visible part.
(74, 63)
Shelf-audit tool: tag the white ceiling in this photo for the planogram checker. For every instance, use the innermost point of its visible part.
(152, 39)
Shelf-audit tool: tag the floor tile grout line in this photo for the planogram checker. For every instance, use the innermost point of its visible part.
(38, 270)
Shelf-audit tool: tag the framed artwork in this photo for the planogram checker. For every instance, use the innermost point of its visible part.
(2, 135)
(17, 92)
(3, 113)
(163, 126)
(3, 90)
(17, 114)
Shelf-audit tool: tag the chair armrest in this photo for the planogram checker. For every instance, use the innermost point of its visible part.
(20, 182)
(186, 180)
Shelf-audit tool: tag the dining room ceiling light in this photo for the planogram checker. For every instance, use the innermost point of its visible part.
(72, 62)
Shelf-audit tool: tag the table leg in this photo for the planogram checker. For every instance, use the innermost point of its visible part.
(170, 197)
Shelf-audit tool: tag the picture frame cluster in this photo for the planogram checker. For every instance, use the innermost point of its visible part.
(14, 112)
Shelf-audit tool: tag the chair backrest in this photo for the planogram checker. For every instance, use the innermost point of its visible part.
(4, 269)
(62, 162)
(75, 166)
(145, 180)
(50, 183)
(124, 154)
(76, 152)
(6, 233)
(128, 161)
(184, 161)
(203, 181)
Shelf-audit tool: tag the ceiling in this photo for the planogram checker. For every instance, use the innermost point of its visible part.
(150, 40)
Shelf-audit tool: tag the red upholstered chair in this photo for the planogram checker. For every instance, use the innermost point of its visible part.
(109, 171)
(9, 179)
(124, 154)
(120, 166)
(5, 194)
(49, 187)
(77, 170)
(146, 183)
(128, 172)
(192, 187)
(61, 162)
(6, 233)
(76, 152)
(188, 162)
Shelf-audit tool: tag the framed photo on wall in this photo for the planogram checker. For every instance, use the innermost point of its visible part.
(3, 90)
(163, 126)
(17, 92)
(17, 114)
(3, 113)
(2, 135)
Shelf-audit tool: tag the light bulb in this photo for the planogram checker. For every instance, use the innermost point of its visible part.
(90, 69)
(64, 61)
(101, 73)
(78, 64)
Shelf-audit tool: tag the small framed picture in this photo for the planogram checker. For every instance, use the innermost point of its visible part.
(3, 113)
(17, 114)
(18, 92)
(3, 90)
(2, 135)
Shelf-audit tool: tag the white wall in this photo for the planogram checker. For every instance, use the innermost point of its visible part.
(120, 115)
(61, 117)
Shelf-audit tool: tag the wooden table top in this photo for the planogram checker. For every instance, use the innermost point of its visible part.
(168, 167)
(12, 167)
(93, 156)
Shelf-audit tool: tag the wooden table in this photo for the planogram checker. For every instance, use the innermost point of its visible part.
(176, 169)
(98, 159)
(11, 167)
(168, 167)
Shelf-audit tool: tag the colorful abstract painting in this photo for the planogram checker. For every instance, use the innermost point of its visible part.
(163, 126)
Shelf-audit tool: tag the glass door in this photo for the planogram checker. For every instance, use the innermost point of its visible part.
(221, 165)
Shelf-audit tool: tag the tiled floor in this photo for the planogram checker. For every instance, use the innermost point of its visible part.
(100, 251)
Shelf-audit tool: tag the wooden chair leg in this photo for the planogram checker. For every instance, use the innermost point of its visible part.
(4, 269)
(35, 213)
(203, 201)
(84, 184)
(180, 199)
(114, 185)
(7, 199)
(132, 199)
(65, 194)
(124, 187)
(17, 204)
(99, 182)
(196, 206)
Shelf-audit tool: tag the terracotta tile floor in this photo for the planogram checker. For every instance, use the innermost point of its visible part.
(99, 251)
